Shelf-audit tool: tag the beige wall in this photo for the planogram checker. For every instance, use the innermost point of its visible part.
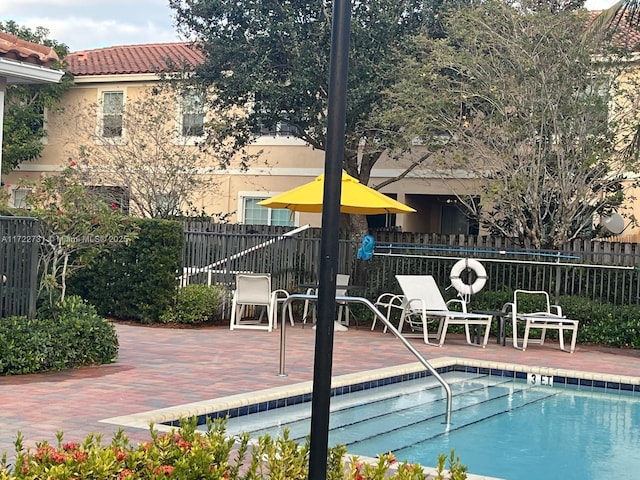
(284, 163)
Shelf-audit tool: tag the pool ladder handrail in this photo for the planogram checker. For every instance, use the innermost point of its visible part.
(384, 320)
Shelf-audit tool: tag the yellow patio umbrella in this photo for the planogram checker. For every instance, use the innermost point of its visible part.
(356, 198)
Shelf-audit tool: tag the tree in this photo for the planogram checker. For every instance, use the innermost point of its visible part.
(273, 57)
(520, 102)
(75, 226)
(161, 169)
(23, 128)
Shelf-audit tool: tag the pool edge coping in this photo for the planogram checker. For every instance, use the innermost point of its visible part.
(163, 415)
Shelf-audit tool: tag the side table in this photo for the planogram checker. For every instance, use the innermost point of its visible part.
(501, 316)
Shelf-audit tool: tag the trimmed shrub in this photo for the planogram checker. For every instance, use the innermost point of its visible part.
(70, 334)
(135, 281)
(195, 304)
(187, 453)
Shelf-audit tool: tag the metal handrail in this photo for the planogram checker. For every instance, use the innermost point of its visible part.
(384, 320)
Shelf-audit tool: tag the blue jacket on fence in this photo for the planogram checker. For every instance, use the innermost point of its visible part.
(365, 252)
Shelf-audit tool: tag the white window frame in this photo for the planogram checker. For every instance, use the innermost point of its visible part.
(244, 196)
(181, 114)
(100, 121)
(282, 129)
(277, 137)
(19, 197)
(168, 203)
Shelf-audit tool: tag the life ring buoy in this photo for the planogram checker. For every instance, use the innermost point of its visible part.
(466, 288)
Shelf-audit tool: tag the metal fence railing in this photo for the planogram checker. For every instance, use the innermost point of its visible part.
(597, 270)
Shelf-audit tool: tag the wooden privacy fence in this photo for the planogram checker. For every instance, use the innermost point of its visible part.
(215, 257)
(598, 270)
(19, 245)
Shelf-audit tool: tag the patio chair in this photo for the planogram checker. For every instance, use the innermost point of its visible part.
(386, 304)
(342, 283)
(550, 317)
(422, 303)
(254, 289)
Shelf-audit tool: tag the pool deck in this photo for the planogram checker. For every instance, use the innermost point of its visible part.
(163, 367)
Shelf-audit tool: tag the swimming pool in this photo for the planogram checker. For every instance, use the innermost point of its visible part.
(501, 427)
(618, 419)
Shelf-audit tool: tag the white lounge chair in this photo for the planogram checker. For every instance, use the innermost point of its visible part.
(550, 317)
(423, 303)
(254, 289)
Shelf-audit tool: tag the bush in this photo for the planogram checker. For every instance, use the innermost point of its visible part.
(195, 304)
(136, 281)
(187, 453)
(70, 334)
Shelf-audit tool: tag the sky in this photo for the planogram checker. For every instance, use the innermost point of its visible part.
(89, 24)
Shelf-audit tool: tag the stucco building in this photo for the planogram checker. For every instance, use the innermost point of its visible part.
(110, 78)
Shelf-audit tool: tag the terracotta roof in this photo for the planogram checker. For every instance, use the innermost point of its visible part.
(14, 48)
(132, 59)
(623, 34)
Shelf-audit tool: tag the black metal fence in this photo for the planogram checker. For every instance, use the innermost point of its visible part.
(598, 270)
(18, 265)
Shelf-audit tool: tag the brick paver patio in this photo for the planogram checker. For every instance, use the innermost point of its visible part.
(162, 367)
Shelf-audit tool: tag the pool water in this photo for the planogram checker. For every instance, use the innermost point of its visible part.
(500, 427)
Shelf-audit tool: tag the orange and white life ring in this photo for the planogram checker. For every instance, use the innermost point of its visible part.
(468, 288)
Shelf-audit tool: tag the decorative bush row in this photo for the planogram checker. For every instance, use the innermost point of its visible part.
(68, 335)
(135, 281)
(190, 454)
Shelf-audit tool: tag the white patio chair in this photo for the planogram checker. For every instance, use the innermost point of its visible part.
(342, 283)
(254, 289)
(550, 317)
(386, 304)
(423, 303)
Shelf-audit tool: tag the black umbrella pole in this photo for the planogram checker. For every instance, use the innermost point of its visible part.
(336, 116)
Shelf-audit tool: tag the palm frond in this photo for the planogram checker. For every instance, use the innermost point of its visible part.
(625, 14)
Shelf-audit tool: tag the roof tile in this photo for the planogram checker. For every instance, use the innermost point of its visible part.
(624, 35)
(14, 48)
(133, 59)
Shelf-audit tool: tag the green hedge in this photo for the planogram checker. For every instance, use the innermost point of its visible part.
(196, 304)
(135, 281)
(68, 335)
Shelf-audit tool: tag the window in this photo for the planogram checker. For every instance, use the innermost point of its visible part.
(254, 214)
(167, 204)
(20, 197)
(112, 114)
(382, 221)
(281, 129)
(193, 113)
(116, 197)
(454, 221)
